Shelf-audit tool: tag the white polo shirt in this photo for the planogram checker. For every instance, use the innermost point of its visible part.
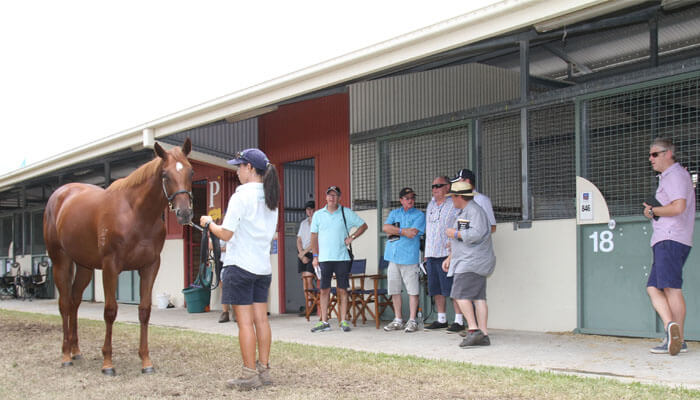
(253, 226)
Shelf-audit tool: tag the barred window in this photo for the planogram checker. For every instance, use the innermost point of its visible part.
(622, 126)
(363, 171)
(552, 162)
(499, 172)
(414, 161)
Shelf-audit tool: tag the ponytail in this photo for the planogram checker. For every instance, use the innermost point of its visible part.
(271, 186)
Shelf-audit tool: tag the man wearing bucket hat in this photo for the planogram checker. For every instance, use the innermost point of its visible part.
(406, 224)
(330, 234)
(471, 261)
(466, 175)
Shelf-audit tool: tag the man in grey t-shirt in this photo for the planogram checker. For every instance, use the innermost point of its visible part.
(470, 262)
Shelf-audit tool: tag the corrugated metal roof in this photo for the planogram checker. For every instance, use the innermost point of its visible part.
(612, 47)
(391, 101)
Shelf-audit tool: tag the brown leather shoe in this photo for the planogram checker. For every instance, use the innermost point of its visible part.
(224, 317)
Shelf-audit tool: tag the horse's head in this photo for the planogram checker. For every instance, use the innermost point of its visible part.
(177, 176)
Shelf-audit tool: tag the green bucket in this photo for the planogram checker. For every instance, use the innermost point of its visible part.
(197, 299)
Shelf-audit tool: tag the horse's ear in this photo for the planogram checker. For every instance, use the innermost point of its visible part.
(187, 146)
(160, 152)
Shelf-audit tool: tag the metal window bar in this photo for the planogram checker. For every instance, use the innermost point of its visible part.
(552, 162)
(621, 128)
(363, 167)
(414, 161)
(499, 172)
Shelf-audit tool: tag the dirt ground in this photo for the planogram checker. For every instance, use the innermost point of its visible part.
(191, 365)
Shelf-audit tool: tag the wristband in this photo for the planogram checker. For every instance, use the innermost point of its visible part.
(315, 255)
(456, 234)
(399, 231)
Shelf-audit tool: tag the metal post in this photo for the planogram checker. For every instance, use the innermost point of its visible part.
(524, 93)
(654, 41)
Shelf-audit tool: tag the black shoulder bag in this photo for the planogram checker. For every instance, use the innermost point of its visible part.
(206, 276)
(342, 211)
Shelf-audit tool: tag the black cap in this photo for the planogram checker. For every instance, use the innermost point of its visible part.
(464, 174)
(310, 204)
(406, 191)
(333, 188)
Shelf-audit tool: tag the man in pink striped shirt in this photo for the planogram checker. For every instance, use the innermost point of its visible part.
(670, 242)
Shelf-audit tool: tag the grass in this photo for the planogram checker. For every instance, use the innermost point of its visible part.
(196, 365)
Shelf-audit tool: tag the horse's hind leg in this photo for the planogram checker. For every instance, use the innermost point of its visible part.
(82, 279)
(62, 276)
(148, 276)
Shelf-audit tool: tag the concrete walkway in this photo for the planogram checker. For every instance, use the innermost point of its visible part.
(624, 359)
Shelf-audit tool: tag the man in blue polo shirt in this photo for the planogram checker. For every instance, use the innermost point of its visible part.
(330, 234)
(404, 227)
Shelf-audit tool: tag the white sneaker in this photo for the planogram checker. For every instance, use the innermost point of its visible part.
(411, 326)
(394, 326)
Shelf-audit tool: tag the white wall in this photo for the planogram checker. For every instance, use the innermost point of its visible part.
(171, 275)
(534, 285)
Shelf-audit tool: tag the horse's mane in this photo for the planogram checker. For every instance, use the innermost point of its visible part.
(137, 177)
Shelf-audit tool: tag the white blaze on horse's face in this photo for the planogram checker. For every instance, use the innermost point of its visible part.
(178, 166)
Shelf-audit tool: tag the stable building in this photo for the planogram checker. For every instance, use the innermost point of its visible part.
(553, 105)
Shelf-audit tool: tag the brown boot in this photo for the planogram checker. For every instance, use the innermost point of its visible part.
(249, 379)
(264, 372)
(224, 317)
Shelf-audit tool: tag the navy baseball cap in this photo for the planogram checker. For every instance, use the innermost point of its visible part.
(254, 157)
(310, 204)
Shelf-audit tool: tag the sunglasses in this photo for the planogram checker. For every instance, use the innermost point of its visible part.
(438, 185)
(656, 153)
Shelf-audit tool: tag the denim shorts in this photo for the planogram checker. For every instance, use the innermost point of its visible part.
(438, 282)
(667, 269)
(242, 288)
(341, 269)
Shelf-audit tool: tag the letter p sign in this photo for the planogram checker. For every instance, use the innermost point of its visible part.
(214, 189)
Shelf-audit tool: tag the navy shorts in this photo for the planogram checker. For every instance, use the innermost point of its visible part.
(438, 282)
(667, 270)
(308, 267)
(341, 269)
(242, 288)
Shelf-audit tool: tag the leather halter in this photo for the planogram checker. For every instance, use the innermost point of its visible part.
(172, 197)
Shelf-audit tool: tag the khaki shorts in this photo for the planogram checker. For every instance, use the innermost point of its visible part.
(402, 273)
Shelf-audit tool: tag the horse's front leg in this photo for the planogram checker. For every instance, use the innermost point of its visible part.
(148, 276)
(109, 282)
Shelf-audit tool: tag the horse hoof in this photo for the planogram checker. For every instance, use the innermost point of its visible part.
(109, 371)
(77, 357)
(148, 370)
(67, 364)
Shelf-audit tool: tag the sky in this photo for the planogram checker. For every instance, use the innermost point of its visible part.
(72, 72)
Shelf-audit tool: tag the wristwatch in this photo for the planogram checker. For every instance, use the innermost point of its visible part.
(651, 212)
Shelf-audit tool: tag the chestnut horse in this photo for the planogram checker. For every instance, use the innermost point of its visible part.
(116, 229)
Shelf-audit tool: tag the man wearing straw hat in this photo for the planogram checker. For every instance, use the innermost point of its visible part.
(470, 262)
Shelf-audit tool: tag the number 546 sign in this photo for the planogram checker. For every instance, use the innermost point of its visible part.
(602, 242)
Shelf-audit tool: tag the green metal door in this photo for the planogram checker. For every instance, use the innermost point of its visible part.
(614, 266)
(128, 287)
